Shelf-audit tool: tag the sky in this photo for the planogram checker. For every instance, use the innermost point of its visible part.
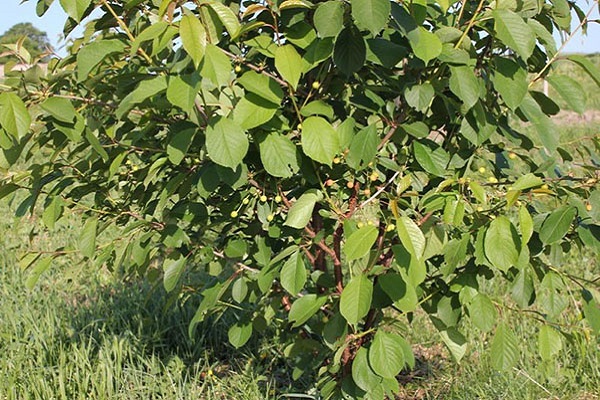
(52, 23)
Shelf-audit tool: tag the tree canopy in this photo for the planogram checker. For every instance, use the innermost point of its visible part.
(33, 40)
(319, 171)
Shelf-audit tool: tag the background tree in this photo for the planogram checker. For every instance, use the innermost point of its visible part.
(319, 171)
(36, 42)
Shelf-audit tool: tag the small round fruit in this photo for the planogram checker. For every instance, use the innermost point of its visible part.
(270, 217)
(367, 192)
(278, 199)
(234, 214)
(337, 160)
(482, 170)
(246, 201)
(512, 155)
(390, 227)
(238, 69)
(350, 184)
(329, 182)
(316, 85)
(588, 207)
(370, 223)
(479, 209)
(360, 225)
(299, 127)
(492, 179)
(374, 176)
(545, 187)
(263, 198)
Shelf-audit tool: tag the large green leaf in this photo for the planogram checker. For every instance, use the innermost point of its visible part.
(545, 128)
(226, 143)
(585, 63)
(510, 80)
(289, 64)
(362, 374)
(504, 351)
(173, 268)
(319, 140)
(304, 308)
(363, 147)
(87, 237)
(425, 45)
(360, 242)
(455, 341)
(293, 274)
(355, 300)
(465, 85)
(193, 37)
(37, 268)
(278, 154)
(215, 66)
(401, 293)
(386, 354)
(61, 109)
(514, 32)
(502, 244)
(239, 334)
(419, 97)
(262, 85)
(301, 211)
(434, 160)
(482, 312)
(182, 91)
(226, 16)
(411, 236)
(371, 15)
(549, 342)
(329, 18)
(75, 8)
(570, 90)
(253, 111)
(350, 51)
(14, 116)
(557, 224)
(179, 145)
(145, 90)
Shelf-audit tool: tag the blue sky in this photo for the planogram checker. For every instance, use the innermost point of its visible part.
(53, 21)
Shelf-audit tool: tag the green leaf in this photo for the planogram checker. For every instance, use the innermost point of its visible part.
(585, 63)
(545, 128)
(363, 148)
(253, 111)
(510, 80)
(434, 161)
(182, 91)
(386, 354)
(360, 242)
(228, 18)
(504, 351)
(362, 374)
(262, 85)
(355, 300)
(304, 308)
(550, 296)
(319, 140)
(226, 143)
(455, 341)
(239, 334)
(482, 312)
(216, 66)
(419, 97)
(502, 245)
(557, 224)
(38, 267)
(193, 37)
(75, 8)
(570, 90)
(179, 145)
(549, 342)
(301, 211)
(399, 291)
(411, 236)
(173, 268)
(527, 181)
(591, 310)
(289, 64)
(371, 15)
(465, 85)
(14, 116)
(293, 274)
(525, 224)
(329, 18)
(350, 51)
(87, 237)
(145, 90)
(317, 107)
(278, 154)
(522, 289)
(514, 32)
(426, 45)
(61, 109)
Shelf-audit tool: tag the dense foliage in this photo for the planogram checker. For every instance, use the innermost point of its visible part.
(26, 37)
(319, 170)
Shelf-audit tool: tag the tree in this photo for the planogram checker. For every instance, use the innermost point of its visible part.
(322, 170)
(33, 40)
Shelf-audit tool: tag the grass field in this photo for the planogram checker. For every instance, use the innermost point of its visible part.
(83, 334)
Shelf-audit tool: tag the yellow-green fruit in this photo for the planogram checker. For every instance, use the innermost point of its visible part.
(367, 192)
(482, 170)
(245, 201)
(278, 199)
(270, 217)
(316, 85)
(545, 187)
(588, 207)
(492, 179)
(263, 198)
(238, 69)
(337, 160)
(374, 176)
(299, 127)
(234, 214)
(350, 185)
(512, 156)
(479, 209)
(390, 227)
